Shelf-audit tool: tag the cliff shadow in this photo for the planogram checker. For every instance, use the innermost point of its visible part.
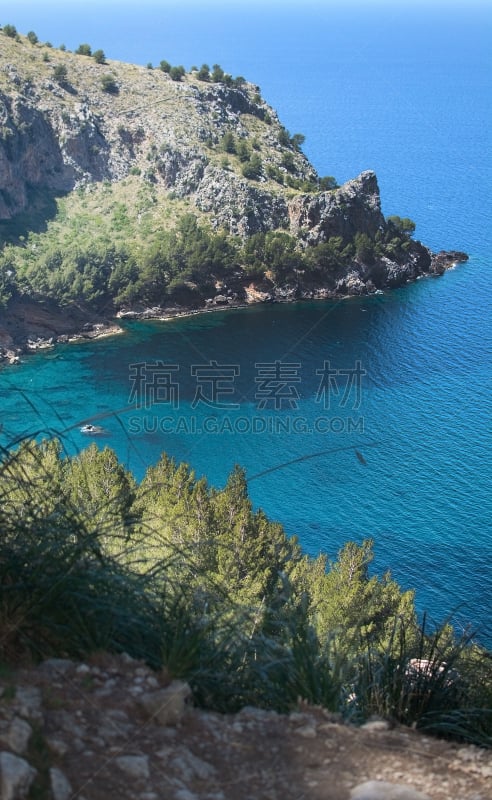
(41, 208)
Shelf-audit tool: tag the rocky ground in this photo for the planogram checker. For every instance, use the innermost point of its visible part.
(111, 728)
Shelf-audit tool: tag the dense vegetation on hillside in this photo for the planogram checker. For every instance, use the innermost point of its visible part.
(182, 264)
(190, 577)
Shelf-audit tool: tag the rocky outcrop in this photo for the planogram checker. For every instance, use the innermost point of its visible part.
(237, 205)
(111, 727)
(353, 208)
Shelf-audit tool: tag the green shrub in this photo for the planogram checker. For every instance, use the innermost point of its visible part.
(60, 74)
(84, 50)
(177, 73)
(99, 57)
(10, 31)
(109, 84)
(204, 73)
(327, 183)
(253, 169)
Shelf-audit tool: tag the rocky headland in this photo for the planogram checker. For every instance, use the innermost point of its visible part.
(102, 157)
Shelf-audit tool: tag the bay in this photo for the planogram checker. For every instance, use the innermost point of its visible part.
(403, 90)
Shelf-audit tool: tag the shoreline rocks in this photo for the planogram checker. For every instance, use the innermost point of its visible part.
(29, 327)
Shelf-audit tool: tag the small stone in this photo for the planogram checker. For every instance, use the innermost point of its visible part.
(56, 666)
(28, 702)
(16, 776)
(141, 672)
(185, 794)
(60, 785)
(382, 790)
(57, 746)
(307, 731)
(375, 725)
(18, 735)
(83, 669)
(67, 723)
(126, 659)
(117, 714)
(134, 766)
(77, 744)
(191, 767)
(167, 706)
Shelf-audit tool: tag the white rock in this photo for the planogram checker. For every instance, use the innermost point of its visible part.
(185, 794)
(382, 790)
(307, 731)
(166, 706)
(57, 746)
(375, 725)
(126, 659)
(134, 766)
(191, 767)
(28, 702)
(60, 785)
(18, 735)
(16, 776)
(56, 666)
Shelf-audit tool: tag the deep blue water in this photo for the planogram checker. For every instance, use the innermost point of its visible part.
(405, 91)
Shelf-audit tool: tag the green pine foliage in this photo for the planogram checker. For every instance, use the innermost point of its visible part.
(193, 579)
(101, 273)
(10, 31)
(84, 50)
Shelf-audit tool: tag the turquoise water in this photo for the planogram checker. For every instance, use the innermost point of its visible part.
(406, 93)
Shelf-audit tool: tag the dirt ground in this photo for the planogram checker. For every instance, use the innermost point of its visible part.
(99, 730)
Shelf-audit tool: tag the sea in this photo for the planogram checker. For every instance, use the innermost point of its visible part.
(361, 418)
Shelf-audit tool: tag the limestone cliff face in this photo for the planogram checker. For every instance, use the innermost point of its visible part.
(353, 208)
(50, 147)
(61, 135)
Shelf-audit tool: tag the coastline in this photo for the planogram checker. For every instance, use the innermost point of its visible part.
(80, 325)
